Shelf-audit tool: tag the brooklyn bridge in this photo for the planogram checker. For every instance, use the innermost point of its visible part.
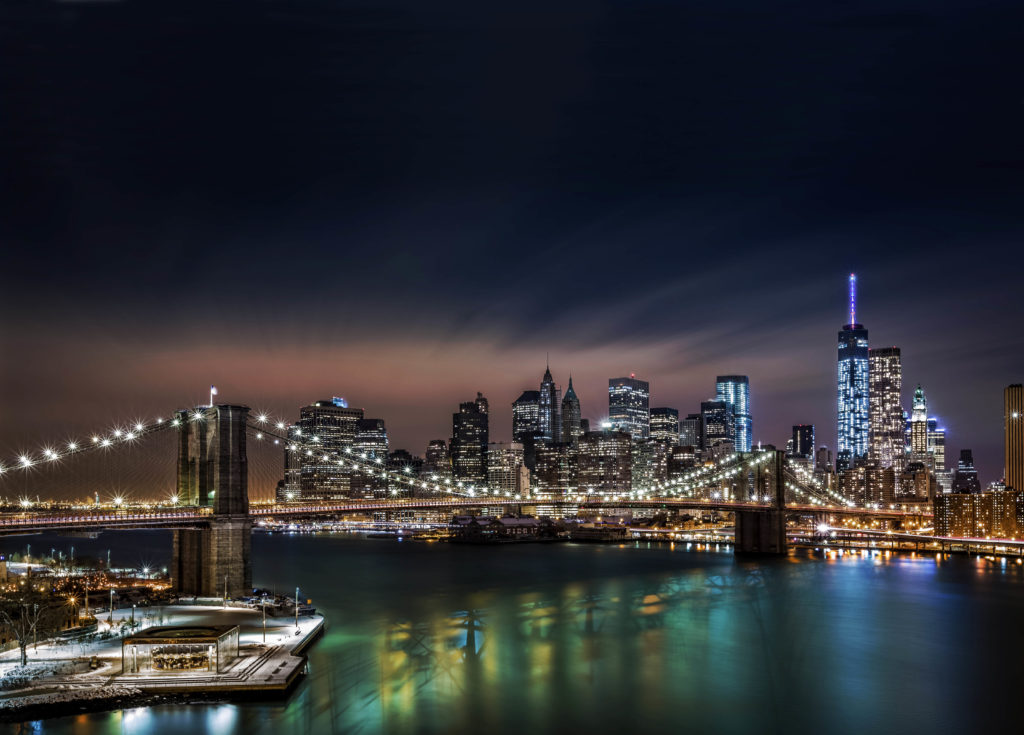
(211, 515)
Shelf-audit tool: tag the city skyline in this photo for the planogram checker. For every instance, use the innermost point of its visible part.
(501, 424)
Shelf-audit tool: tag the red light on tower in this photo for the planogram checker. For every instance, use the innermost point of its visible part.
(632, 375)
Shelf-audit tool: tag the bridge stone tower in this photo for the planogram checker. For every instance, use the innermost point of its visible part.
(213, 472)
(764, 531)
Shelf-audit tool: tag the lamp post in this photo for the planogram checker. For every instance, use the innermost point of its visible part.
(110, 618)
(264, 619)
(133, 615)
(297, 631)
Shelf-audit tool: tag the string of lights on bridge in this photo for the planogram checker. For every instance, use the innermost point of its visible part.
(120, 435)
(264, 426)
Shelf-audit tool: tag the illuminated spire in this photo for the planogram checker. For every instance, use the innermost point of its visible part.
(853, 298)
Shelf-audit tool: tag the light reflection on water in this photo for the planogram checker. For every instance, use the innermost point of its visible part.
(444, 638)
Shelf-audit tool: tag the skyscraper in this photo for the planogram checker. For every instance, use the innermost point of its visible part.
(503, 463)
(605, 462)
(735, 390)
(437, 463)
(525, 415)
(919, 428)
(469, 441)
(549, 410)
(886, 440)
(966, 478)
(937, 444)
(371, 440)
(853, 425)
(332, 425)
(665, 425)
(1013, 421)
(629, 406)
(803, 443)
(691, 433)
(572, 429)
(717, 424)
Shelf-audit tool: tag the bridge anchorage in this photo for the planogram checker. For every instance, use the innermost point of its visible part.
(213, 472)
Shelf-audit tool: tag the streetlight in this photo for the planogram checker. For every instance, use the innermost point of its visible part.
(297, 631)
(264, 618)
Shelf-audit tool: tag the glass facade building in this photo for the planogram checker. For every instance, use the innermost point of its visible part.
(802, 443)
(716, 423)
(524, 415)
(853, 424)
(549, 410)
(629, 407)
(735, 391)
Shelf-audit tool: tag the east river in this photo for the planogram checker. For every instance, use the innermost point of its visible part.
(440, 638)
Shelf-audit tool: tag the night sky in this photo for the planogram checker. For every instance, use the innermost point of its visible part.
(404, 201)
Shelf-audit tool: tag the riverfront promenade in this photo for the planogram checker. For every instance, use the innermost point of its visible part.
(60, 674)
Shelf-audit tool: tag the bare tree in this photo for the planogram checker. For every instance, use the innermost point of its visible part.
(30, 616)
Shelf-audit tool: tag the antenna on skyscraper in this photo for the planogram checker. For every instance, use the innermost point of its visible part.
(853, 298)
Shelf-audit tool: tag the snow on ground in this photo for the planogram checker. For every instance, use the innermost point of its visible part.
(279, 630)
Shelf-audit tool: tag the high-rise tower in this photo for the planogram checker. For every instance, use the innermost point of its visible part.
(549, 410)
(629, 406)
(469, 441)
(919, 427)
(572, 430)
(886, 446)
(735, 390)
(853, 425)
(1013, 402)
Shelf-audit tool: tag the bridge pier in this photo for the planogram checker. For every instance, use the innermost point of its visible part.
(213, 472)
(764, 531)
(214, 561)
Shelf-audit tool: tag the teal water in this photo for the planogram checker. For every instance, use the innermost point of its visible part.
(437, 638)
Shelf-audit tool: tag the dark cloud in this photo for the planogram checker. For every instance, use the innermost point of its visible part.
(290, 194)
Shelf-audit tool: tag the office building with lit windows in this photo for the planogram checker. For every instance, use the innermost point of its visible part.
(717, 426)
(332, 425)
(1013, 420)
(937, 444)
(525, 411)
(629, 407)
(919, 428)
(886, 447)
(691, 432)
(735, 391)
(853, 424)
(371, 443)
(572, 421)
(468, 447)
(437, 463)
(802, 443)
(665, 425)
(549, 410)
(504, 460)
(605, 462)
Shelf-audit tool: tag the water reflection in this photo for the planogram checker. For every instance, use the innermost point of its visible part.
(446, 639)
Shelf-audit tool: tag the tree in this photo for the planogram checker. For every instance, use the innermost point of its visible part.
(29, 616)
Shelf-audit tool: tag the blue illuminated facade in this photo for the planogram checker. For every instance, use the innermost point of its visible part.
(854, 424)
(735, 390)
